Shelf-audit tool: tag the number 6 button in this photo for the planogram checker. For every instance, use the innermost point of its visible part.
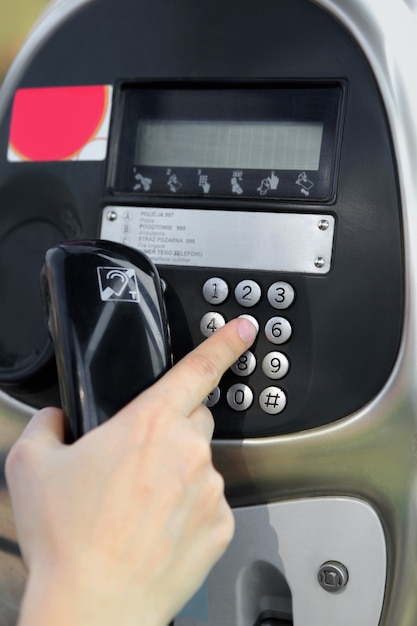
(278, 330)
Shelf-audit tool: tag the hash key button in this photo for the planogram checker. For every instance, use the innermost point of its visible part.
(272, 400)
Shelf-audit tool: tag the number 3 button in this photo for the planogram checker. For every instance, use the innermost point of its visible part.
(281, 295)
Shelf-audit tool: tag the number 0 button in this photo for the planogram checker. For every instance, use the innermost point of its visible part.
(278, 330)
(210, 322)
(239, 397)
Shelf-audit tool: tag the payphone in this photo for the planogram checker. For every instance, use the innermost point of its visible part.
(262, 156)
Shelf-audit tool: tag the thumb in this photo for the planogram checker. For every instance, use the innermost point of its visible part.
(46, 427)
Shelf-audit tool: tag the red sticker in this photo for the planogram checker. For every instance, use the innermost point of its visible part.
(60, 124)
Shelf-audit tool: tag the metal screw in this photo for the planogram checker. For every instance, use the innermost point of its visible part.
(111, 216)
(333, 576)
(324, 224)
(319, 262)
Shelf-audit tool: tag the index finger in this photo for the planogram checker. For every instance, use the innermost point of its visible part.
(190, 381)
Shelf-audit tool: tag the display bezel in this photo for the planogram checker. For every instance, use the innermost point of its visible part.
(255, 102)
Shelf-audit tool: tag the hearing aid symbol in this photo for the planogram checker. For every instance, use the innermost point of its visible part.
(118, 283)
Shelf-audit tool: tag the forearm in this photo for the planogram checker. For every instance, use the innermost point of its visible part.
(52, 599)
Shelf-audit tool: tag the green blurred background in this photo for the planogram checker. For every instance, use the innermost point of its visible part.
(17, 17)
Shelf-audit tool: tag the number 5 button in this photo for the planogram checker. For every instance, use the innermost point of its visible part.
(278, 330)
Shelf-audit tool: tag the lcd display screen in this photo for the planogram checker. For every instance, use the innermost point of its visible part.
(256, 141)
(244, 145)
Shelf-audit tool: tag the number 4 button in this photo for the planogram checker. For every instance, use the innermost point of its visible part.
(210, 322)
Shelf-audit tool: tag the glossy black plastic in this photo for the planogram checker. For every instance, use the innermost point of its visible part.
(104, 307)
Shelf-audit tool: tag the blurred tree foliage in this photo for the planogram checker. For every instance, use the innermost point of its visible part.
(16, 20)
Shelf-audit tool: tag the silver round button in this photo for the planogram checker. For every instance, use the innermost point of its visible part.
(245, 365)
(215, 290)
(210, 322)
(239, 397)
(281, 295)
(272, 400)
(247, 293)
(275, 365)
(212, 398)
(278, 330)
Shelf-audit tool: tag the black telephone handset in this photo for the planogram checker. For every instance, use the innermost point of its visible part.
(105, 312)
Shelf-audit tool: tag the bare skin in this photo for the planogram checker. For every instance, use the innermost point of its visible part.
(123, 526)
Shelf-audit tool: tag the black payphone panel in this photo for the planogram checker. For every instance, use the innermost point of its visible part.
(310, 238)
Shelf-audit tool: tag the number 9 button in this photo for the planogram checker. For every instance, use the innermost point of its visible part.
(275, 365)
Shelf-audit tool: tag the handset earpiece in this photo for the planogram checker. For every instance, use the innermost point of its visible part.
(104, 307)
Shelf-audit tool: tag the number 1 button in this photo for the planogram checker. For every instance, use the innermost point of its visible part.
(215, 290)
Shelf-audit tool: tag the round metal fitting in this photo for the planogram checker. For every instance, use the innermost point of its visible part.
(333, 576)
(319, 262)
(324, 224)
(111, 216)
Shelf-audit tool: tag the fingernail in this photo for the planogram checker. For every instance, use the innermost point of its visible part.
(248, 328)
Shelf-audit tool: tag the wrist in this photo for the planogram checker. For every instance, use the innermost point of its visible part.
(53, 598)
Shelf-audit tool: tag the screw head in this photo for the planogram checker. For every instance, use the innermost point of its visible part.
(333, 576)
(324, 224)
(111, 216)
(319, 262)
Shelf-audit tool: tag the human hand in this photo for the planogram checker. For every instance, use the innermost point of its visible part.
(123, 525)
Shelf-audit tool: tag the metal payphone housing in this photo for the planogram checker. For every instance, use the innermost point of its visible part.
(332, 477)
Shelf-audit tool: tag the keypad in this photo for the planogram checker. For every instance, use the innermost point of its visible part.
(273, 364)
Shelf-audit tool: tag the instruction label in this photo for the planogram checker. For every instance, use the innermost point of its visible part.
(288, 242)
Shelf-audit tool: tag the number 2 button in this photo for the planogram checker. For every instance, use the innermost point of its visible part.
(247, 293)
